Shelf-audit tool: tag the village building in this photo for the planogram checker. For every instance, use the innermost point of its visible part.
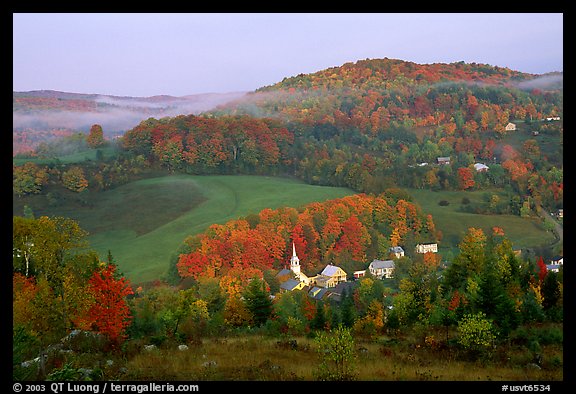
(294, 279)
(426, 248)
(318, 293)
(555, 263)
(443, 160)
(330, 276)
(479, 167)
(295, 267)
(382, 268)
(510, 127)
(335, 293)
(397, 251)
(359, 274)
(291, 285)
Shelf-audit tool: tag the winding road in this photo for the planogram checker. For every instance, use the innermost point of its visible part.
(558, 228)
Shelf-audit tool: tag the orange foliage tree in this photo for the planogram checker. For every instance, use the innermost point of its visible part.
(109, 314)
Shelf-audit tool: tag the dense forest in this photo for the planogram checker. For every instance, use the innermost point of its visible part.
(374, 126)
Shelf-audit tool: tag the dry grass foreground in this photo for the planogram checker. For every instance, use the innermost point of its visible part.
(259, 358)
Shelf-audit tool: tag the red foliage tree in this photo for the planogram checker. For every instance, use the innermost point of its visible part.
(542, 270)
(465, 178)
(110, 314)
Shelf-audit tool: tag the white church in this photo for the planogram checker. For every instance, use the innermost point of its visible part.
(329, 277)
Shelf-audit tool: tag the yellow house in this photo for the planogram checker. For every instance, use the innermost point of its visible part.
(330, 276)
(291, 285)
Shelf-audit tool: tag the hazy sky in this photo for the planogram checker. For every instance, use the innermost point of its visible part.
(178, 54)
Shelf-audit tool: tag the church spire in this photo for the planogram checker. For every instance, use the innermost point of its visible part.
(295, 261)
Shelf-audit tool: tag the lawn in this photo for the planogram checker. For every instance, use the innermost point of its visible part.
(523, 232)
(144, 222)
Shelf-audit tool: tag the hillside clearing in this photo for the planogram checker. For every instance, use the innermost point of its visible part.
(144, 222)
(523, 232)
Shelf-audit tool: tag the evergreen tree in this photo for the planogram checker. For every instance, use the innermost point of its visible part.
(258, 301)
(551, 295)
(347, 308)
(319, 320)
(495, 302)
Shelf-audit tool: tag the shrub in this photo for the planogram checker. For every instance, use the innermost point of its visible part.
(336, 350)
(475, 333)
(443, 203)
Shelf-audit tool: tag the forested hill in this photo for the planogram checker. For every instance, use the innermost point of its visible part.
(372, 95)
(384, 73)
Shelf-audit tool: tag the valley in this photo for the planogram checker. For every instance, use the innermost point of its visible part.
(143, 240)
(173, 233)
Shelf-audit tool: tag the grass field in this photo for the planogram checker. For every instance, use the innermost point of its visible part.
(144, 222)
(523, 232)
(252, 357)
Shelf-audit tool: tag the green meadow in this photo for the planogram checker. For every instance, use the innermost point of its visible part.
(522, 232)
(144, 222)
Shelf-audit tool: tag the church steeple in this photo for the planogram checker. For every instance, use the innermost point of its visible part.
(295, 261)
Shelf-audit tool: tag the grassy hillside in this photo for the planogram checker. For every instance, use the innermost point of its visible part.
(143, 223)
(523, 232)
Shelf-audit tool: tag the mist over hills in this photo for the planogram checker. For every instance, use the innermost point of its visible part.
(40, 115)
(44, 114)
(55, 109)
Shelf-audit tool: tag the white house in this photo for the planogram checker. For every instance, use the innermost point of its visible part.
(382, 268)
(510, 127)
(425, 248)
(555, 263)
(397, 251)
(479, 167)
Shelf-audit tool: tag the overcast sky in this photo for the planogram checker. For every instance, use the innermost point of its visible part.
(179, 54)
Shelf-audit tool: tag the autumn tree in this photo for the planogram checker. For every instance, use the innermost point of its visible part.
(109, 314)
(28, 178)
(74, 179)
(465, 178)
(95, 138)
(48, 242)
(469, 261)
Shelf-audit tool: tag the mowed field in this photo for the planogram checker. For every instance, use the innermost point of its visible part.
(144, 222)
(522, 232)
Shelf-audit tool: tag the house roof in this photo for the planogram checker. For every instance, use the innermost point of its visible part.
(317, 292)
(290, 284)
(340, 287)
(330, 270)
(480, 167)
(379, 264)
(283, 272)
(396, 249)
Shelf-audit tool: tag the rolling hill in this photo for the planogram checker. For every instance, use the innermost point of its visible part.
(40, 116)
